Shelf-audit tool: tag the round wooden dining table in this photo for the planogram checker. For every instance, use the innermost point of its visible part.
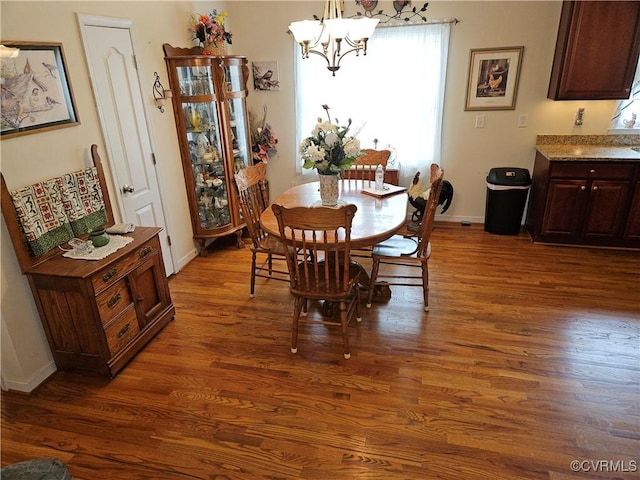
(375, 220)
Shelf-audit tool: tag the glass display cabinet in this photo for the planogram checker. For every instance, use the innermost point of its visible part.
(209, 103)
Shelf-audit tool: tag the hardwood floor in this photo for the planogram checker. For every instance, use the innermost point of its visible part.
(527, 361)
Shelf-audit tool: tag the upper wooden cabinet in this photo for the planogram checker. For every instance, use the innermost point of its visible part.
(596, 51)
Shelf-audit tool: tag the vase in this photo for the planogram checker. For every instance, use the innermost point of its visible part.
(194, 119)
(214, 49)
(329, 190)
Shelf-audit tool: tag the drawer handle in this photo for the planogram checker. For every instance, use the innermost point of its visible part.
(592, 171)
(109, 275)
(124, 330)
(114, 300)
(145, 251)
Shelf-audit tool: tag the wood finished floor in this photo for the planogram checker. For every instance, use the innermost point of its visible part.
(528, 360)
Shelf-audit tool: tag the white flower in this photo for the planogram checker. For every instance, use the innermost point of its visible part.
(351, 146)
(316, 153)
(331, 139)
(328, 149)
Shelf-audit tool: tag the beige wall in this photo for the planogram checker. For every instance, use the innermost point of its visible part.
(260, 33)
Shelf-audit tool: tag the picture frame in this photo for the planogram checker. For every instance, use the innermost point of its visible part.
(494, 74)
(265, 75)
(36, 91)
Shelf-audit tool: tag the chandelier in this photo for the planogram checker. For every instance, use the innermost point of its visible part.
(327, 37)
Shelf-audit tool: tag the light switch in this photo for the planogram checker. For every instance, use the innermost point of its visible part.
(479, 121)
(523, 120)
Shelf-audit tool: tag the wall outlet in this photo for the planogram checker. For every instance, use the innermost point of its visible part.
(523, 120)
(579, 117)
(479, 121)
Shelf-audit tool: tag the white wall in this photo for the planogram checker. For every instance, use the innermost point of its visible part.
(468, 152)
(260, 33)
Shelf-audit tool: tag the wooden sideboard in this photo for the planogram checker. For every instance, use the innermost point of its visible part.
(97, 314)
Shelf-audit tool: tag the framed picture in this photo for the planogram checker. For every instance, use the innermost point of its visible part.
(36, 92)
(265, 76)
(493, 78)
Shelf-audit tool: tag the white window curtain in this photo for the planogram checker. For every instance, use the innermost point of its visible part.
(394, 94)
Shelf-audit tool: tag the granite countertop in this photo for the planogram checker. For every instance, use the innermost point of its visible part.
(589, 147)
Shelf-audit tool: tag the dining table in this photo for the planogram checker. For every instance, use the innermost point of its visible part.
(378, 217)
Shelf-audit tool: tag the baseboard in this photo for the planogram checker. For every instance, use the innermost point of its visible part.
(193, 253)
(32, 383)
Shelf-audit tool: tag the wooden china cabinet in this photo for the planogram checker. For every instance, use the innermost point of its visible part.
(209, 103)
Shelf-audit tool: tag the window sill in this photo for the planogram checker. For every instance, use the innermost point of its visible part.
(623, 131)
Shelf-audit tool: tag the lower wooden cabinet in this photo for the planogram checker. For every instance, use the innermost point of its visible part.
(99, 314)
(585, 202)
(632, 232)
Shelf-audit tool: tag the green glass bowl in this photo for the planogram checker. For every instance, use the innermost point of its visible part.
(99, 238)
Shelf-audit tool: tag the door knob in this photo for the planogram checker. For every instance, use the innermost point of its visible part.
(127, 189)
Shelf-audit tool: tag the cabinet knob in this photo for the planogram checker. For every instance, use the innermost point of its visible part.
(582, 187)
(595, 188)
(592, 171)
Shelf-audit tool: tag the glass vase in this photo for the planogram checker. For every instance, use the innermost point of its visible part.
(329, 190)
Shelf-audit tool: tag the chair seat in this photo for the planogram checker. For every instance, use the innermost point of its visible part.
(399, 246)
(313, 287)
(271, 244)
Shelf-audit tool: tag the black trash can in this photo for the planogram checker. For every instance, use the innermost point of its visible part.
(507, 190)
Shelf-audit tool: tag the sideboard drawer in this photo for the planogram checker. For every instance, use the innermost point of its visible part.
(113, 301)
(115, 271)
(122, 330)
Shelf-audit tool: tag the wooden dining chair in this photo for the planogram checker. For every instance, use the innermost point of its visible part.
(364, 167)
(322, 269)
(401, 251)
(253, 197)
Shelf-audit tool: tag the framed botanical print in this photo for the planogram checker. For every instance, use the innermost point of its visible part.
(36, 92)
(494, 74)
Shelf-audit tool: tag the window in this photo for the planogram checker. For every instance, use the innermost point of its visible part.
(394, 94)
(626, 118)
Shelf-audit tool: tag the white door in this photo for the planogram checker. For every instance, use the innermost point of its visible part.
(108, 46)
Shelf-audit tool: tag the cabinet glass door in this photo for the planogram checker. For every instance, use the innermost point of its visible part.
(195, 80)
(234, 86)
(203, 138)
(239, 138)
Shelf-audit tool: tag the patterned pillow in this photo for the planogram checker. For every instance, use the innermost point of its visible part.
(42, 216)
(82, 200)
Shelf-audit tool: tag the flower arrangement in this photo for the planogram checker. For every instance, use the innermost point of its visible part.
(263, 141)
(329, 150)
(210, 28)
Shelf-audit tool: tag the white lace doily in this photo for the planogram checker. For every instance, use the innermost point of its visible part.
(116, 242)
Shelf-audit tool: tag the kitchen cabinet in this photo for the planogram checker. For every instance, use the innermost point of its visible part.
(632, 232)
(585, 202)
(209, 103)
(98, 315)
(596, 50)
